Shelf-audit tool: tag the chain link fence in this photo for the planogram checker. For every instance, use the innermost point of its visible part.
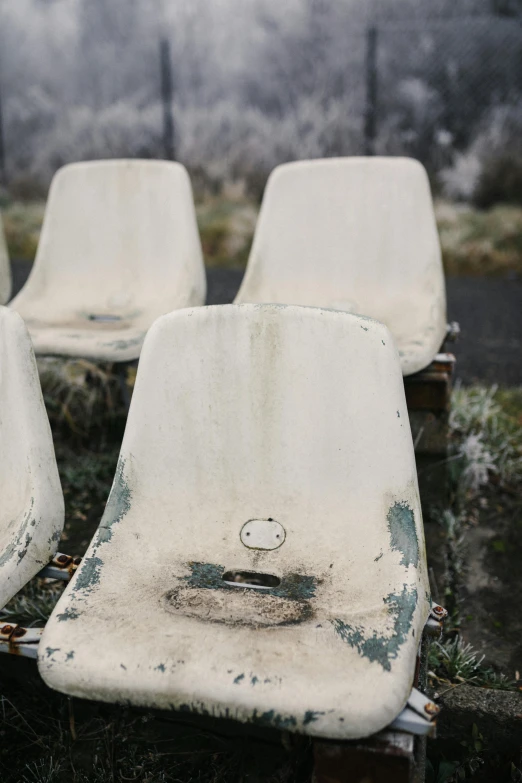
(234, 90)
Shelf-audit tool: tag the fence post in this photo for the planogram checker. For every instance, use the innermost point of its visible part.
(166, 98)
(370, 119)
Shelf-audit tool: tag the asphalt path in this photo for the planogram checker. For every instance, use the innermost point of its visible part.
(489, 312)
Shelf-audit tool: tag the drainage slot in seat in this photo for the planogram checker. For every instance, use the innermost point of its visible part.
(104, 317)
(251, 579)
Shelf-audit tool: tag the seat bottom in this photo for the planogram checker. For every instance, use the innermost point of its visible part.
(99, 341)
(289, 658)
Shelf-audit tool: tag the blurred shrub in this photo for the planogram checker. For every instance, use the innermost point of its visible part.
(83, 399)
(489, 171)
(480, 242)
(226, 227)
(22, 223)
(499, 181)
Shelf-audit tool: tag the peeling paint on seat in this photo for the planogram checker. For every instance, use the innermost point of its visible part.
(32, 510)
(377, 647)
(403, 533)
(284, 419)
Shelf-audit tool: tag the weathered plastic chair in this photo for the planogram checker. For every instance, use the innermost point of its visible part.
(32, 508)
(355, 234)
(261, 556)
(119, 247)
(5, 269)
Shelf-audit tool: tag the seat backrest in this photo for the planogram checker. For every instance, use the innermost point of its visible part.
(355, 234)
(117, 236)
(267, 412)
(32, 508)
(5, 269)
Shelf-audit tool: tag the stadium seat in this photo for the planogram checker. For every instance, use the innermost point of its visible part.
(119, 247)
(261, 556)
(5, 269)
(32, 508)
(355, 234)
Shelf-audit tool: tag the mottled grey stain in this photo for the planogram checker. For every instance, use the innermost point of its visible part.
(293, 587)
(117, 507)
(379, 648)
(403, 534)
(69, 614)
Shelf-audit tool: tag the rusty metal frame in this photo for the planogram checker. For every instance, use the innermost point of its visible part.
(430, 389)
(61, 567)
(18, 640)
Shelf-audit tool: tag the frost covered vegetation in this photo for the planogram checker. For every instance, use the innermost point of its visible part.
(474, 242)
(259, 82)
(487, 438)
(485, 467)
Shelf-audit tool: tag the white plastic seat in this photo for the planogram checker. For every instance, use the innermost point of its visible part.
(355, 234)
(32, 508)
(5, 269)
(263, 439)
(119, 247)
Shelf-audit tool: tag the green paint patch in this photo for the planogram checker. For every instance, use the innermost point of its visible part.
(311, 716)
(118, 506)
(20, 543)
(238, 679)
(379, 648)
(403, 533)
(89, 574)
(68, 614)
(293, 587)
